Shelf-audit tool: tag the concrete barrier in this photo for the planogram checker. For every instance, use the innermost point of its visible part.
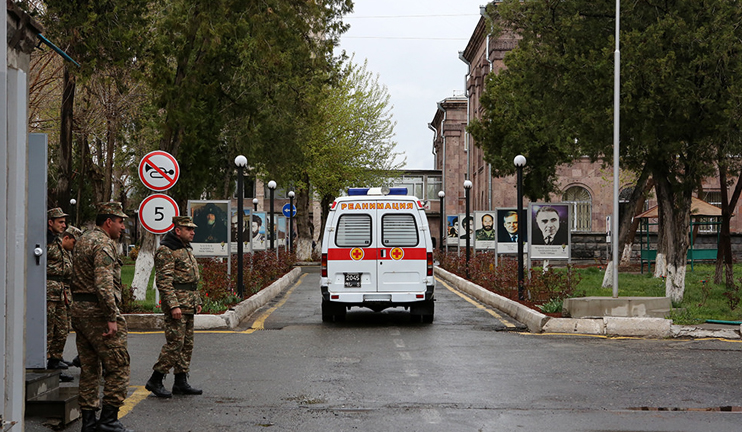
(229, 319)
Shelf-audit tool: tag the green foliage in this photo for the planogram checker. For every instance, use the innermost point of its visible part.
(552, 306)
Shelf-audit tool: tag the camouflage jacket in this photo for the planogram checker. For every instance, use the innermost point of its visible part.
(58, 268)
(177, 275)
(98, 272)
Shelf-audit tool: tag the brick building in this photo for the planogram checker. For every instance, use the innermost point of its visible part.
(587, 185)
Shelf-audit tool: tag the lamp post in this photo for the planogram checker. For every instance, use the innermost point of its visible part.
(241, 162)
(442, 195)
(272, 187)
(467, 189)
(520, 162)
(254, 204)
(291, 220)
(72, 210)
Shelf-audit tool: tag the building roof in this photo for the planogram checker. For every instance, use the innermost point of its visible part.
(698, 208)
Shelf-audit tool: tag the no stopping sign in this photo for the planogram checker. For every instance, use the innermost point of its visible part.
(156, 213)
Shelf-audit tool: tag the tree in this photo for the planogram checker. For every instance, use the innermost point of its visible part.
(354, 146)
(678, 97)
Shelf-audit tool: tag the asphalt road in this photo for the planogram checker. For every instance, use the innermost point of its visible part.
(470, 370)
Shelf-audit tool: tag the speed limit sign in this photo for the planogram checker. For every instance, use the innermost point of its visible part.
(156, 213)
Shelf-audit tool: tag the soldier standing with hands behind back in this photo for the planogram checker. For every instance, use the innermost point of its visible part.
(101, 331)
(177, 278)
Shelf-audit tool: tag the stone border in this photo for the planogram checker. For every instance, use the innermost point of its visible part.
(229, 319)
(606, 326)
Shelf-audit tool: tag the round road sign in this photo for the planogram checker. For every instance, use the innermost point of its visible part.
(156, 213)
(287, 212)
(159, 170)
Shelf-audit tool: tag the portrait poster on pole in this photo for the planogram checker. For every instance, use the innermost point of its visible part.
(466, 229)
(245, 230)
(212, 234)
(507, 223)
(452, 227)
(258, 227)
(484, 230)
(549, 231)
(281, 222)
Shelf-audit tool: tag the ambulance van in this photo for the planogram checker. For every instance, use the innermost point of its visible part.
(377, 253)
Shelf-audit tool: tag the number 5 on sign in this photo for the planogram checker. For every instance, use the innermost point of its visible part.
(156, 213)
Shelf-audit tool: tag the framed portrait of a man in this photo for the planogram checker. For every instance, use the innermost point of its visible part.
(212, 234)
(549, 230)
(508, 223)
(485, 234)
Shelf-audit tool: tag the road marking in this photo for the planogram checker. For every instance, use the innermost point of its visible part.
(259, 324)
(394, 332)
(139, 395)
(432, 416)
(405, 355)
(479, 306)
(399, 343)
(412, 372)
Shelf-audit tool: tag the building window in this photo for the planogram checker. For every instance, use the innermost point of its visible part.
(248, 188)
(582, 205)
(414, 185)
(434, 185)
(710, 224)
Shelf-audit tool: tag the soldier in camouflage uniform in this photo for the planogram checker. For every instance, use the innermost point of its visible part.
(177, 280)
(58, 271)
(69, 238)
(101, 331)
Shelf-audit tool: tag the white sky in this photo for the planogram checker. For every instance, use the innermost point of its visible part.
(413, 46)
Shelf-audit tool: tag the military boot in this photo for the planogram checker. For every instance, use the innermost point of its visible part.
(181, 386)
(53, 363)
(88, 421)
(155, 385)
(65, 377)
(109, 420)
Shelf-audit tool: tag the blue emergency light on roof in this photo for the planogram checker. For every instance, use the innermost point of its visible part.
(377, 191)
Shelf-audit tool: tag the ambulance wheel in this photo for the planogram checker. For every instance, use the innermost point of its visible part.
(332, 312)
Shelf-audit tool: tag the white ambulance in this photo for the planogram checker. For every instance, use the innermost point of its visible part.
(377, 253)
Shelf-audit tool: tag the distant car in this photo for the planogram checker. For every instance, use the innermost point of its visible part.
(377, 253)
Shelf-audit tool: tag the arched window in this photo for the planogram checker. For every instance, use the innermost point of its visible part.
(582, 207)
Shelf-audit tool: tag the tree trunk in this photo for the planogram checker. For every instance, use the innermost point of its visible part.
(304, 233)
(325, 204)
(628, 223)
(144, 265)
(65, 139)
(674, 222)
(724, 258)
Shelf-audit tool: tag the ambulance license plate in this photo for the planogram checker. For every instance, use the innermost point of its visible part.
(352, 280)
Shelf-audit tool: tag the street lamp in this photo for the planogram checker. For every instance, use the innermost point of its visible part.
(520, 162)
(72, 209)
(255, 204)
(241, 162)
(291, 220)
(272, 187)
(467, 189)
(442, 195)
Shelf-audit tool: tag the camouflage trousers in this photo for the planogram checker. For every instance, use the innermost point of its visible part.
(57, 328)
(95, 350)
(178, 348)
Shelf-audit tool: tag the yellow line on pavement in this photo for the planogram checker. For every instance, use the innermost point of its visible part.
(259, 324)
(478, 305)
(139, 395)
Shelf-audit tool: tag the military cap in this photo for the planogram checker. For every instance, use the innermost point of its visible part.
(55, 213)
(73, 231)
(184, 221)
(111, 208)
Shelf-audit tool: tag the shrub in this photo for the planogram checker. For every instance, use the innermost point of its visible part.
(541, 287)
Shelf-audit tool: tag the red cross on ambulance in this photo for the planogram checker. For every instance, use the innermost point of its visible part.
(397, 253)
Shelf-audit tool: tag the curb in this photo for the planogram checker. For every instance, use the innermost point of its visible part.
(229, 319)
(605, 326)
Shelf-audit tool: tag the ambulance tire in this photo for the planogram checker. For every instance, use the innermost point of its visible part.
(332, 312)
(424, 312)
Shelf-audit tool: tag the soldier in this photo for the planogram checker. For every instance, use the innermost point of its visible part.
(177, 280)
(58, 270)
(101, 331)
(69, 238)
